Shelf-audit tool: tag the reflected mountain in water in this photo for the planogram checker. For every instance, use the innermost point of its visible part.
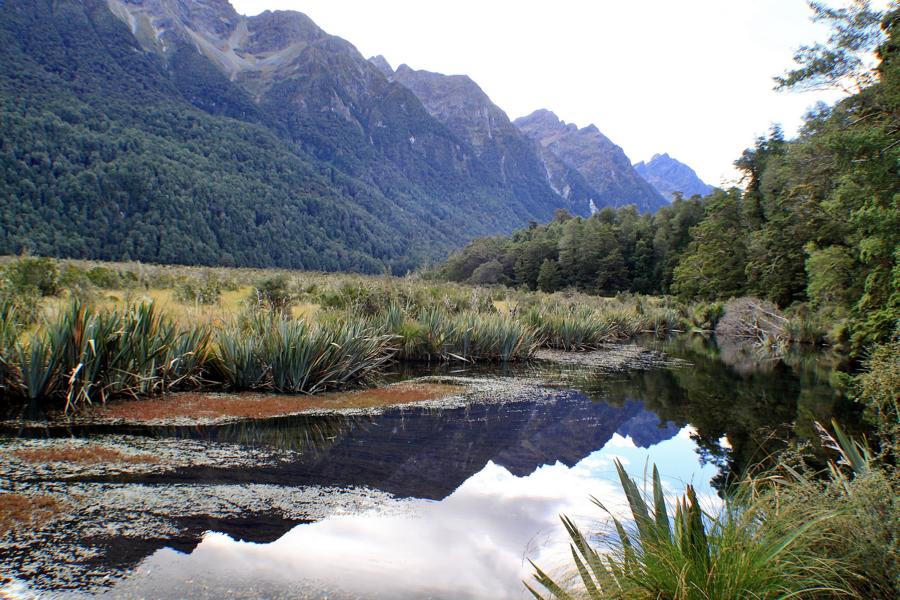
(415, 453)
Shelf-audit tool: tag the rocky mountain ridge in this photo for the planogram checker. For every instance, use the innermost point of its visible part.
(602, 164)
(254, 141)
(671, 177)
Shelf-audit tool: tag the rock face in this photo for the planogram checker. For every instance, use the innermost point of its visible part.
(670, 176)
(601, 164)
(463, 107)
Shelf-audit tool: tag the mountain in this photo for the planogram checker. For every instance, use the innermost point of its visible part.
(669, 177)
(183, 132)
(463, 107)
(600, 163)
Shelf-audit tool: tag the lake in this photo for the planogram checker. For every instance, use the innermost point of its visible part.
(414, 502)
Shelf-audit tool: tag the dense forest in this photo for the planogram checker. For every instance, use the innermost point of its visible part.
(111, 152)
(816, 226)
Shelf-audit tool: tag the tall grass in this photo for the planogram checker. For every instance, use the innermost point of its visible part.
(736, 553)
(267, 351)
(85, 356)
(434, 334)
(783, 534)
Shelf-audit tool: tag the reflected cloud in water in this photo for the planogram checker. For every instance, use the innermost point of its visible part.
(473, 544)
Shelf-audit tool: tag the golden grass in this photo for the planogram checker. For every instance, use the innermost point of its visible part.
(21, 512)
(84, 455)
(506, 307)
(257, 406)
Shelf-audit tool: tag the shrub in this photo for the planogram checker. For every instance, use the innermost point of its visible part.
(275, 294)
(38, 274)
(205, 291)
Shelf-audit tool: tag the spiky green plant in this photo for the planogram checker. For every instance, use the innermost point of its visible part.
(739, 553)
(85, 356)
(272, 352)
(572, 329)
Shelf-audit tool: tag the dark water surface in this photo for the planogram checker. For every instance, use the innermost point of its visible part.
(457, 499)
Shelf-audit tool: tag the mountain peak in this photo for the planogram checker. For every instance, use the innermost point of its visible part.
(670, 176)
(382, 64)
(600, 163)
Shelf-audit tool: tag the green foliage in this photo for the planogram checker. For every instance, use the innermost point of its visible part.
(843, 60)
(878, 389)
(39, 275)
(266, 351)
(275, 294)
(204, 291)
(743, 552)
(86, 356)
(612, 251)
(469, 336)
(713, 265)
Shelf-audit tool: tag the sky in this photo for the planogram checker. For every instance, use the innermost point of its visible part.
(690, 78)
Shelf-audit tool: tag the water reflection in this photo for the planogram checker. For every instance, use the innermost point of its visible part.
(471, 544)
(475, 489)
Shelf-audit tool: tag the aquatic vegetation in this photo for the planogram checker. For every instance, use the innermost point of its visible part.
(81, 454)
(223, 408)
(26, 511)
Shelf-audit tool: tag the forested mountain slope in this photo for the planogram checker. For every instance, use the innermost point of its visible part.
(182, 132)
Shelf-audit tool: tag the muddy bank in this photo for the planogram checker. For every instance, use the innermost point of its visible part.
(219, 408)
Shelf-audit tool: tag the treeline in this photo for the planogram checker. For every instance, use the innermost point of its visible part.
(613, 251)
(816, 227)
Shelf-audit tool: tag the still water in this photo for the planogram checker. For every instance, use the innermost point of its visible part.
(457, 501)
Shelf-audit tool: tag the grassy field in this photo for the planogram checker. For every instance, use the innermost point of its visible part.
(75, 333)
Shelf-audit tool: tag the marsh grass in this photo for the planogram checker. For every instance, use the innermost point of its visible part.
(690, 554)
(87, 355)
(269, 351)
(784, 533)
(435, 334)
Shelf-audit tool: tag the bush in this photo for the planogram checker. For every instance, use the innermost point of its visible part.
(206, 290)
(275, 294)
(38, 274)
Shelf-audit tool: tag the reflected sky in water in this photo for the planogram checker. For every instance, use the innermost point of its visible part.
(472, 544)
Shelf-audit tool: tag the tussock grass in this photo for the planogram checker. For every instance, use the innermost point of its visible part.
(785, 533)
(436, 335)
(276, 330)
(87, 355)
(267, 351)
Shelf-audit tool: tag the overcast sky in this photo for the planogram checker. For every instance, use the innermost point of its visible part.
(691, 78)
